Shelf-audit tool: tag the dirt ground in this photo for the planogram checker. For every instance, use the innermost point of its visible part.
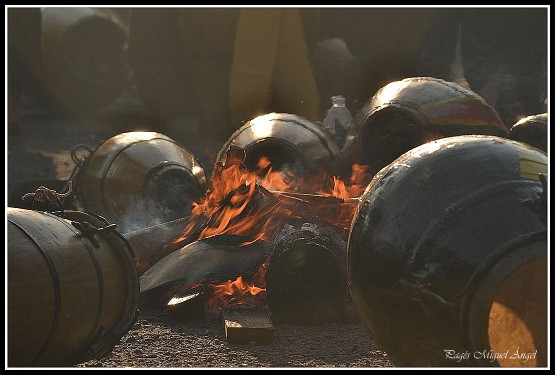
(41, 150)
(157, 340)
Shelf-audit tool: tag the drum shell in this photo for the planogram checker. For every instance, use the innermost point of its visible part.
(138, 179)
(429, 229)
(68, 300)
(531, 130)
(405, 114)
(285, 139)
(305, 275)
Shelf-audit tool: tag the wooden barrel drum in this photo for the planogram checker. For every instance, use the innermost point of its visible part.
(306, 279)
(70, 297)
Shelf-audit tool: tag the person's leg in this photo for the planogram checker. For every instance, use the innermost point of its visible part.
(295, 85)
(252, 70)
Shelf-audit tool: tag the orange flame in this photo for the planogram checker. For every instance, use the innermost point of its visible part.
(228, 208)
(342, 215)
(263, 163)
(238, 292)
(228, 205)
(339, 189)
(233, 293)
(236, 287)
(357, 183)
(360, 178)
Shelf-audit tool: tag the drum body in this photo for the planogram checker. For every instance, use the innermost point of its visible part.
(405, 114)
(531, 130)
(440, 237)
(70, 298)
(139, 179)
(289, 142)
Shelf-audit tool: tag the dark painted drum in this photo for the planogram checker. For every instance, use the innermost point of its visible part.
(305, 276)
(407, 113)
(531, 130)
(448, 254)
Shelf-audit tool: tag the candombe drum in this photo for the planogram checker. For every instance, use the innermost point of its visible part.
(289, 142)
(72, 288)
(407, 113)
(83, 57)
(305, 275)
(138, 179)
(447, 254)
(531, 130)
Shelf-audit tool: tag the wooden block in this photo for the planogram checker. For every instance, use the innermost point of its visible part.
(246, 324)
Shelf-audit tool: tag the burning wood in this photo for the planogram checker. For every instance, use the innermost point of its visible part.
(335, 212)
(235, 293)
(259, 207)
(213, 298)
(210, 260)
(235, 203)
(244, 202)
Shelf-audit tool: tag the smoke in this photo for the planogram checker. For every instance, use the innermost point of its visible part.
(143, 213)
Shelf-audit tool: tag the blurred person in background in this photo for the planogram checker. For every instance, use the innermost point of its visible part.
(217, 68)
(503, 52)
(220, 67)
(24, 62)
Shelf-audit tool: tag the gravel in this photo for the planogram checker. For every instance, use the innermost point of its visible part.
(159, 341)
